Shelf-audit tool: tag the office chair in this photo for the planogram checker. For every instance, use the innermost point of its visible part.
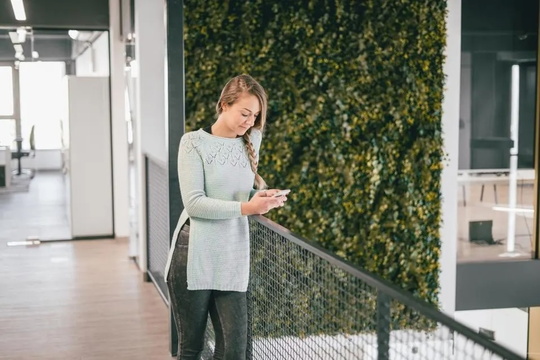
(20, 153)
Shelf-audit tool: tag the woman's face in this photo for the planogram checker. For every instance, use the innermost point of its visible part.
(241, 115)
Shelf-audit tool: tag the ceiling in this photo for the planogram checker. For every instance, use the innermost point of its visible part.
(491, 26)
(59, 14)
(48, 23)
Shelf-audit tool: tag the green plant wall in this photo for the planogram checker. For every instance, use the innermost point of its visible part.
(354, 124)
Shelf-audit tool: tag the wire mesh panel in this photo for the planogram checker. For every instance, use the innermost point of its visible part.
(158, 221)
(305, 303)
(304, 307)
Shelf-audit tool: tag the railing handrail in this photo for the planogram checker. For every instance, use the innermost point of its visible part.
(388, 288)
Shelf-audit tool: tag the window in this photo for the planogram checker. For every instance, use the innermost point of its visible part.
(497, 126)
(42, 102)
(6, 91)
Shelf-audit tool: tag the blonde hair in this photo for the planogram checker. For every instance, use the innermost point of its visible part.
(232, 91)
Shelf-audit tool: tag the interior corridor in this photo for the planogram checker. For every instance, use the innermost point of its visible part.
(80, 299)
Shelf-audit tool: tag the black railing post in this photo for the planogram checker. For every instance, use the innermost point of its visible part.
(249, 350)
(383, 326)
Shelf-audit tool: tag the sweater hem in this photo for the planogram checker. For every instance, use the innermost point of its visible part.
(219, 288)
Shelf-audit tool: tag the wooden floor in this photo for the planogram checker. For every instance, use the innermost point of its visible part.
(72, 299)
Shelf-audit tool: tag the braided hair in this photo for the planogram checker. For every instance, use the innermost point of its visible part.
(235, 88)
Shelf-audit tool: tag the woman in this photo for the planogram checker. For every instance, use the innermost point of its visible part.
(217, 168)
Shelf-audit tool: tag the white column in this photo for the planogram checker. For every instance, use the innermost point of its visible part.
(150, 124)
(119, 131)
(512, 179)
(449, 186)
(151, 46)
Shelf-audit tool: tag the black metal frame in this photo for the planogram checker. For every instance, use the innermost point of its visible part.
(176, 121)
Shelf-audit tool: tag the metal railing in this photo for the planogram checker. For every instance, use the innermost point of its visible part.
(306, 303)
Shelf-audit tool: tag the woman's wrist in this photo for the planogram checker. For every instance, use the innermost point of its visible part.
(245, 208)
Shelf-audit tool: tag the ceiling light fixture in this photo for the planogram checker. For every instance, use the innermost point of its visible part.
(18, 52)
(18, 10)
(19, 36)
(74, 34)
(14, 37)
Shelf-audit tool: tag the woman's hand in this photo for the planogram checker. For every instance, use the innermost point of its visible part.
(262, 202)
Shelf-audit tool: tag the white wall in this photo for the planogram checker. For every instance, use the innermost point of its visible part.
(450, 122)
(151, 57)
(150, 126)
(510, 326)
(94, 61)
(90, 163)
(84, 64)
(118, 124)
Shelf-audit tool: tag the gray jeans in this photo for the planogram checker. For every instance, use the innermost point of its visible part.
(227, 309)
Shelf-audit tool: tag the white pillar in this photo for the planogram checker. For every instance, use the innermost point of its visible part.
(150, 121)
(512, 179)
(119, 131)
(449, 186)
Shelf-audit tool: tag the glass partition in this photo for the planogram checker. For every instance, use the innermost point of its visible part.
(497, 129)
(6, 91)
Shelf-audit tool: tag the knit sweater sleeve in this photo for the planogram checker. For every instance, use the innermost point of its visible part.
(191, 178)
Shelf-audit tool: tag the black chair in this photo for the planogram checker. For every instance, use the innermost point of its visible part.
(20, 153)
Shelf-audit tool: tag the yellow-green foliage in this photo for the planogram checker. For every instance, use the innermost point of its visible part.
(354, 124)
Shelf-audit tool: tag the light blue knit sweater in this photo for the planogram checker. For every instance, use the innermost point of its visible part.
(215, 178)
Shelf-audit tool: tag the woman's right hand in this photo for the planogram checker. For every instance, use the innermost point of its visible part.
(262, 202)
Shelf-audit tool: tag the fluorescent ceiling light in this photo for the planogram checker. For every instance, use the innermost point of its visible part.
(18, 9)
(74, 34)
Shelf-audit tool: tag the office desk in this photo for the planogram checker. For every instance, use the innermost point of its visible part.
(491, 176)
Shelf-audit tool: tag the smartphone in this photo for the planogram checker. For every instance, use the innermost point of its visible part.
(282, 192)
